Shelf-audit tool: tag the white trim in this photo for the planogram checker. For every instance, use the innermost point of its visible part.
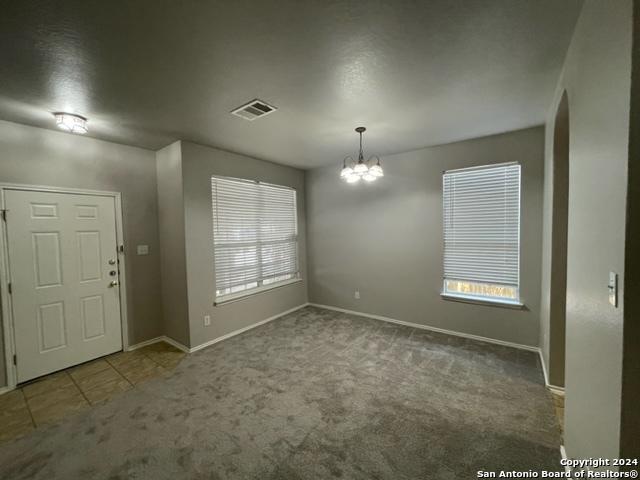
(171, 341)
(161, 338)
(234, 297)
(4, 390)
(544, 367)
(7, 308)
(244, 329)
(493, 302)
(151, 341)
(176, 344)
(433, 329)
(480, 167)
(567, 468)
(122, 271)
(554, 388)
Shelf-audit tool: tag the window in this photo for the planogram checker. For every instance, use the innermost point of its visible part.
(255, 236)
(482, 233)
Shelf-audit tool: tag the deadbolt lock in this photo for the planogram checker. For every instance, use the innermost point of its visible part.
(113, 283)
(113, 273)
(112, 261)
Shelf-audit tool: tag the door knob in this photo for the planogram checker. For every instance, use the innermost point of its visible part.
(113, 273)
(113, 283)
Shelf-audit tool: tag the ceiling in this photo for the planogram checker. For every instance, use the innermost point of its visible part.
(415, 73)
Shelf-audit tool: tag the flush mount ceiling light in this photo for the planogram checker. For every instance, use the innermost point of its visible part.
(353, 171)
(71, 122)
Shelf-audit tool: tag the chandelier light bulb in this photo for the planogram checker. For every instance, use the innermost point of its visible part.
(369, 178)
(70, 122)
(376, 170)
(360, 168)
(346, 172)
(353, 178)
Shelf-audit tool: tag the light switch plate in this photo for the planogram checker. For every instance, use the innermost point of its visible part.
(613, 288)
(143, 249)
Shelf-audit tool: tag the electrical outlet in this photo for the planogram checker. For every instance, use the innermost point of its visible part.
(356, 295)
(207, 320)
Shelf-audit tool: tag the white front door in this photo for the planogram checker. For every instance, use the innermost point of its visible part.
(63, 266)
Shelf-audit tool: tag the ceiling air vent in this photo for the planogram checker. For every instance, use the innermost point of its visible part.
(254, 109)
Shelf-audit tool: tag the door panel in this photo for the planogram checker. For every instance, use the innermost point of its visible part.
(92, 317)
(89, 259)
(46, 259)
(65, 310)
(52, 326)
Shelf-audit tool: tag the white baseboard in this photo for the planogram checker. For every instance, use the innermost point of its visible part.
(567, 469)
(6, 389)
(433, 329)
(176, 344)
(184, 348)
(554, 388)
(151, 341)
(161, 338)
(244, 329)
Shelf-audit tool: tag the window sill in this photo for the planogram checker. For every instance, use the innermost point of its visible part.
(483, 301)
(234, 297)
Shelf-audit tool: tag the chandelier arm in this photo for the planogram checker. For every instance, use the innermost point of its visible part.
(372, 157)
(344, 160)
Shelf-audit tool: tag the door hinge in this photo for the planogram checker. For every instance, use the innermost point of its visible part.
(15, 360)
(4, 215)
(10, 287)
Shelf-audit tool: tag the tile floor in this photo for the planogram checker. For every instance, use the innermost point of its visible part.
(49, 399)
(558, 403)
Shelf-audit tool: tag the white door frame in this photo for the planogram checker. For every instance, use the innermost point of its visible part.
(7, 307)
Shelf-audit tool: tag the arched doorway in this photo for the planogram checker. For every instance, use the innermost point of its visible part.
(560, 216)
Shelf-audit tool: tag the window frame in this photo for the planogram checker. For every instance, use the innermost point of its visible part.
(261, 287)
(505, 302)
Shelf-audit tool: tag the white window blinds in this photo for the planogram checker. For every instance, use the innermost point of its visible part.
(255, 234)
(482, 231)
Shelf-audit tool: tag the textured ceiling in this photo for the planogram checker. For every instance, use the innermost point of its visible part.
(415, 73)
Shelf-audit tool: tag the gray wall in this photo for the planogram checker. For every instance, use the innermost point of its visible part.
(43, 157)
(385, 238)
(596, 76)
(199, 163)
(172, 249)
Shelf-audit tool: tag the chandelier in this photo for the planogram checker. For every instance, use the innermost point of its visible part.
(353, 171)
